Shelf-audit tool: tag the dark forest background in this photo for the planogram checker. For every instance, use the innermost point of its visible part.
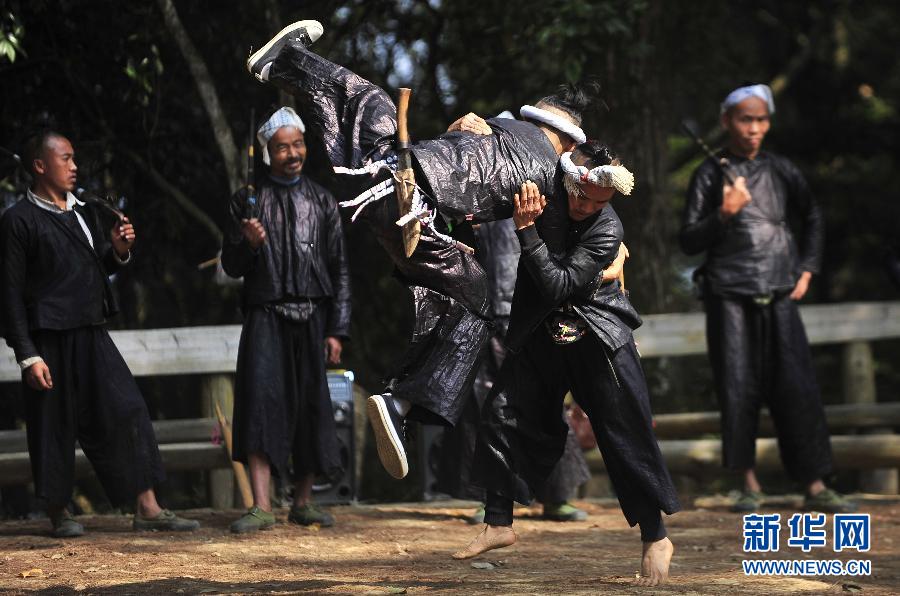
(156, 99)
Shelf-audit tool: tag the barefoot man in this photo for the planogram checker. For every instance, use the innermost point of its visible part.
(568, 332)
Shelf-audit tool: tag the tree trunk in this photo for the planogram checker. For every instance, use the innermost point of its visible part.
(207, 90)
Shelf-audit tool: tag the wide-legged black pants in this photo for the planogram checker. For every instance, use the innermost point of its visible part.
(454, 469)
(760, 356)
(95, 401)
(522, 435)
(282, 407)
(355, 121)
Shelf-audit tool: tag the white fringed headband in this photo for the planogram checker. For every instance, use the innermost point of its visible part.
(608, 176)
(282, 117)
(554, 120)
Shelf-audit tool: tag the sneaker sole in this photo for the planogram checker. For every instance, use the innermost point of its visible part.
(390, 448)
(313, 30)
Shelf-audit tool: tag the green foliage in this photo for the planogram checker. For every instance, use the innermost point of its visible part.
(11, 34)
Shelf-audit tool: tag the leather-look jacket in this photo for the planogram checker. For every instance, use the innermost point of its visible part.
(304, 255)
(546, 281)
(754, 252)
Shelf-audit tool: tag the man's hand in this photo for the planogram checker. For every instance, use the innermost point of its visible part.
(802, 286)
(38, 376)
(529, 205)
(254, 232)
(615, 269)
(333, 349)
(734, 198)
(471, 123)
(122, 237)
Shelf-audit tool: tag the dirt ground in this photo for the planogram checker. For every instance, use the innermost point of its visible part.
(404, 549)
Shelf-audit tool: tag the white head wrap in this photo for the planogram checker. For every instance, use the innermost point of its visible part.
(763, 92)
(554, 120)
(608, 176)
(283, 117)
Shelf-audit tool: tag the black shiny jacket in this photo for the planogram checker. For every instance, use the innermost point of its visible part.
(474, 177)
(754, 252)
(545, 282)
(304, 255)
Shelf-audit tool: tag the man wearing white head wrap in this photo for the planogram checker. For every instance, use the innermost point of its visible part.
(282, 117)
(570, 329)
(460, 178)
(754, 273)
(296, 297)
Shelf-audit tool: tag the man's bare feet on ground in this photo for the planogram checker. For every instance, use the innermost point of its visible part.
(655, 562)
(489, 538)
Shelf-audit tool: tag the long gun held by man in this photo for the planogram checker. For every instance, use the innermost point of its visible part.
(252, 210)
(722, 162)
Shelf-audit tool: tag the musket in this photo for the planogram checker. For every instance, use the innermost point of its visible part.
(252, 204)
(722, 162)
(105, 203)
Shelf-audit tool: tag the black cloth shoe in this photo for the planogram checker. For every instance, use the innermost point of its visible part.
(64, 525)
(388, 425)
(304, 31)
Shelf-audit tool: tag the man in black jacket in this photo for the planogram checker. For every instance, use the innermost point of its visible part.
(296, 301)
(464, 177)
(569, 330)
(56, 298)
(753, 276)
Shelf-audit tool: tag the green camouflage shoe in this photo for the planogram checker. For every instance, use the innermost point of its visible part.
(748, 502)
(309, 514)
(166, 521)
(255, 519)
(829, 501)
(563, 512)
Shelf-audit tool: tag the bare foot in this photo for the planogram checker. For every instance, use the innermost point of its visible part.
(655, 562)
(489, 538)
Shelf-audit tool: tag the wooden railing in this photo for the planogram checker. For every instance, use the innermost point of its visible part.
(212, 351)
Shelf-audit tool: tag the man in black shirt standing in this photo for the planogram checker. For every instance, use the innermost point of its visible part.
(56, 299)
(296, 301)
(753, 276)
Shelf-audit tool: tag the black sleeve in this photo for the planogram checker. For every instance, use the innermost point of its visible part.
(238, 258)
(558, 279)
(14, 241)
(338, 323)
(701, 226)
(802, 202)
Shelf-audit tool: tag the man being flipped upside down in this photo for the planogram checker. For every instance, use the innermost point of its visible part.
(461, 177)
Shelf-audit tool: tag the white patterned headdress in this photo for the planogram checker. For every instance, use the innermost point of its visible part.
(607, 176)
(283, 117)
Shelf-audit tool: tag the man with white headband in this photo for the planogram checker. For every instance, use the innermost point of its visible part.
(289, 247)
(754, 273)
(570, 330)
(460, 178)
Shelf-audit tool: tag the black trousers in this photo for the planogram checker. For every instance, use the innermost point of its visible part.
(282, 407)
(355, 120)
(458, 445)
(760, 355)
(95, 401)
(522, 435)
